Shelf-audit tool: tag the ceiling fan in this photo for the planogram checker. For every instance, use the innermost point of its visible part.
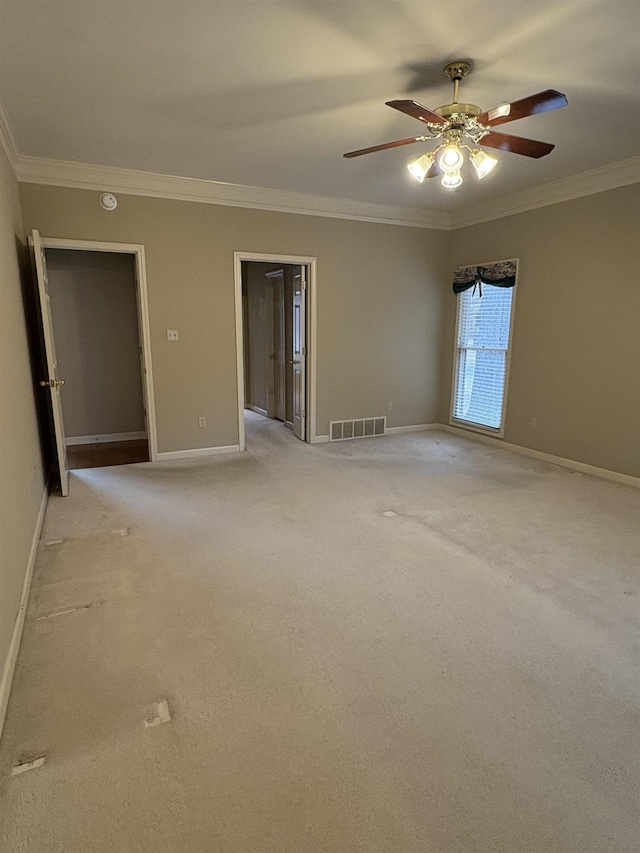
(455, 122)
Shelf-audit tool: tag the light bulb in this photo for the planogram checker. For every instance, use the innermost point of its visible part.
(451, 159)
(419, 169)
(483, 162)
(451, 180)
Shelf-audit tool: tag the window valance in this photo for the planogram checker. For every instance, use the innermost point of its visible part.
(501, 274)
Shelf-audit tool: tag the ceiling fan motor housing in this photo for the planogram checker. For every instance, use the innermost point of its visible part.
(457, 70)
(449, 110)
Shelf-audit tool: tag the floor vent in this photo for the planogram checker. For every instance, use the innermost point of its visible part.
(360, 428)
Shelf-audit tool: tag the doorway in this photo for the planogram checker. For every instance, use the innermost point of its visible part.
(275, 340)
(94, 310)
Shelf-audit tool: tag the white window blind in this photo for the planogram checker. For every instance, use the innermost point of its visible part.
(481, 360)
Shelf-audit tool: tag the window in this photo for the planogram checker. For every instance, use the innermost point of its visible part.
(483, 336)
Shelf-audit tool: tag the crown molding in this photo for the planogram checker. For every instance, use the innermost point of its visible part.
(62, 173)
(7, 139)
(595, 181)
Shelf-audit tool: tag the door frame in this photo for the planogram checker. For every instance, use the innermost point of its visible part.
(144, 328)
(311, 363)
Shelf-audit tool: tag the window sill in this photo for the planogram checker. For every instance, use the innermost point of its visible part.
(496, 433)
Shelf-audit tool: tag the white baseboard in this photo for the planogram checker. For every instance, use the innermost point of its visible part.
(411, 428)
(198, 451)
(573, 464)
(12, 656)
(104, 438)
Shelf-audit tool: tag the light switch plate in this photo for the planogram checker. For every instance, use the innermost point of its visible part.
(172, 335)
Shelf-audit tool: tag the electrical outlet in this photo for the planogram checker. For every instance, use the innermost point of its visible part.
(173, 335)
(533, 422)
(202, 422)
(389, 406)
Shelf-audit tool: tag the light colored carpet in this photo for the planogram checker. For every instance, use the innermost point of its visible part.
(461, 676)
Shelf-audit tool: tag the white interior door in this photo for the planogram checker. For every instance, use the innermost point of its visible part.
(299, 353)
(52, 381)
(269, 353)
(278, 353)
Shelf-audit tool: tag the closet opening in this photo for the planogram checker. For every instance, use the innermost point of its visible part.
(96, 330)
(95, 323)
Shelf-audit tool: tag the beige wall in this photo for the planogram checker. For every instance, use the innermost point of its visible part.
(95, 322)
(386, 313)
(576, 343)
(21, 475)
(380, 300)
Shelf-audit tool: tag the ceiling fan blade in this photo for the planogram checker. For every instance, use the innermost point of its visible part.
(416, 110)
(516, 144)
(540, 103)
(385, 145)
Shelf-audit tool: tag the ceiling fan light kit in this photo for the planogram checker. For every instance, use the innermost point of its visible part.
(484, 163)
(419, 169)
(455, 122)
(451, 158)
(452, 180)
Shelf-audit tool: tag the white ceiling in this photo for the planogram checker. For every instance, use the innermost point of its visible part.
(272, 93)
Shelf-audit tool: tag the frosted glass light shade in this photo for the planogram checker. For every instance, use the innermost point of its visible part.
(451, 180)
(451, 159)
(419, 169)
(483, 162)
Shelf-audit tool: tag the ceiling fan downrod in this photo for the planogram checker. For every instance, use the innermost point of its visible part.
(455, 71)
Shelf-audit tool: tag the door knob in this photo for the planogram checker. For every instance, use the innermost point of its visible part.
(52, 383)
(294, 361)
